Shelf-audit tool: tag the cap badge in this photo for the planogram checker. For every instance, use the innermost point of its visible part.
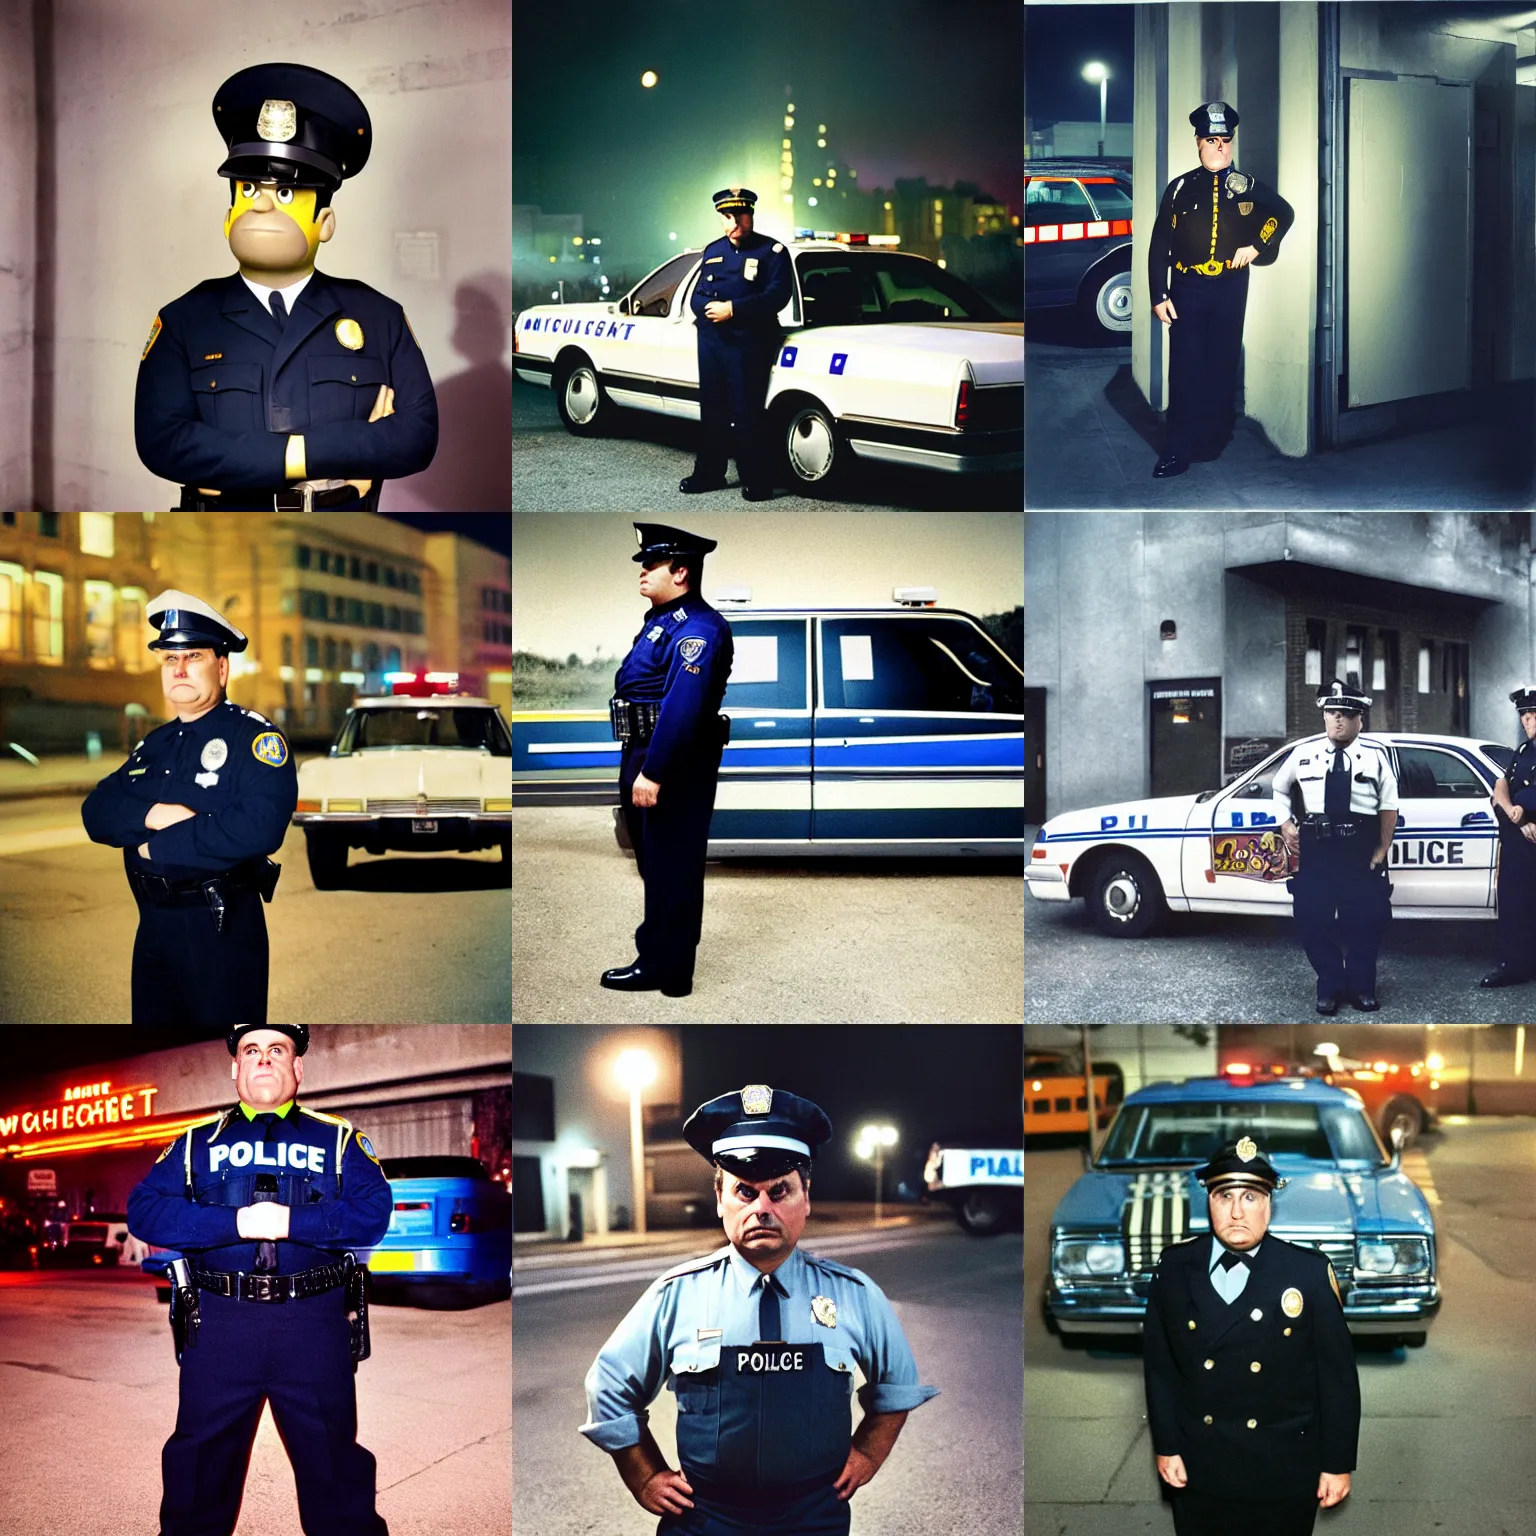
(1217, 113)
(757, 1099)
(735, 191)
(170, 618)
(350, 334)
(215, 753)
(1290, 1302)
(824, 1310)
(1246, 1150)
(278, 122)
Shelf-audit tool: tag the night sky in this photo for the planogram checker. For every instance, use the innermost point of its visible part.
(1058, 41)
(36, 1049)
(906, 88)
(492, 529)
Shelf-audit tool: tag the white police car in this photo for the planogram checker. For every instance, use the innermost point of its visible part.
(853, 731)
(1221, 851)
(422, 769)
(886, 356)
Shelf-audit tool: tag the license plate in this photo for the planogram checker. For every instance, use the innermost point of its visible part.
(423, 826)
(387, 1261)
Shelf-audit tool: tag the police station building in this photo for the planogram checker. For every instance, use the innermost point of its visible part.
(78, 1141)
(1168, 652)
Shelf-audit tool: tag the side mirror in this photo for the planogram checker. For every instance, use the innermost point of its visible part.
(624, 305)
(1087, 1156)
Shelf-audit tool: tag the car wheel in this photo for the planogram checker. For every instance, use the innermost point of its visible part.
(327, 858)
(1413, 1340)
(981, 1212)
(1404, 1114)
(1106, 302)
(812, 450)
(1126, 899)
(582, 401)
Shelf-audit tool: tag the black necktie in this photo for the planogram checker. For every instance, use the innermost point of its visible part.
(768, 1311)
(278, 308)
(266, 1252)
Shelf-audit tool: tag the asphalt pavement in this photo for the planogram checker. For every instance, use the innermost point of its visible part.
(637, 468)
(1220, 968)
(956, 1467)
(888, 941)
(1092, 440)
(412, 938)
(88, 1388)
(1445, 1443)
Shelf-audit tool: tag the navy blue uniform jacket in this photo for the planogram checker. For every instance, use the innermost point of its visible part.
(681, 656)
(221, 388)
(755, 300)
(189, 1199)
(1209, 215)
(231, 766)
(1259, 1399)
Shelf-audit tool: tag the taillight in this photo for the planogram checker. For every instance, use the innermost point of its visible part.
(413, 1205)
(963, 404)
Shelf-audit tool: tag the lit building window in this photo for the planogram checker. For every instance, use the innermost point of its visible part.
(100, 610)
(47, 615)
(12, 589)
(96, 534)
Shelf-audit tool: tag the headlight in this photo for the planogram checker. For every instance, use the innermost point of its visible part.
(1080, 1259)
(1400, 1256)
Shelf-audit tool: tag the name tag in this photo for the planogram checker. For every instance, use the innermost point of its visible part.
(749, 269)
(761, 1359)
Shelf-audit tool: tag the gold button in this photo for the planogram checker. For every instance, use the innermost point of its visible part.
(1253, 1423)
(354, 378)
(1210, 1365)
(1191, 1325)
(213, 383)
(1287, 1333)
(1255, 1367)
(1207, 1418)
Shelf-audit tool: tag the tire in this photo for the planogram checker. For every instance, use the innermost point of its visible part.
(813, 454)
(1414, 1340)
(1405, 1112)
(1126, 898)
(1106, 302)
(327, 858)
(980, 1212)
(580, 398)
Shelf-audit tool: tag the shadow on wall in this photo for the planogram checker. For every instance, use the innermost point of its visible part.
(472, 471)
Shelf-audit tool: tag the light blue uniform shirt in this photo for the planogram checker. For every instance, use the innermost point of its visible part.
(684, 1320)
(1229, 1283)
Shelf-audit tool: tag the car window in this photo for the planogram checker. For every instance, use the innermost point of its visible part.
(1055, 202)
(1502, 755)
(916, 664)
(873, 287)
(1352, 1137)
(1425, 773)
(768, 665)
(1111, 199)
(654, 295)
(427, 726)
(1181, 1132)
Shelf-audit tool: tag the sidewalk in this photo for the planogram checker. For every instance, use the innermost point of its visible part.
(21, 780)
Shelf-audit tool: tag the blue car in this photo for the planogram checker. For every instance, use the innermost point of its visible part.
(1346, 1196)
(450, 1233)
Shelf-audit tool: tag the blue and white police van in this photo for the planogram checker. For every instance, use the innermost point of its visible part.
(1221, 850)
(886, 355)
(853, 731)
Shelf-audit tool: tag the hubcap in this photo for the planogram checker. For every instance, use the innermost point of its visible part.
(1122, 897)
(811, 445)
(581, 396)
(1117, 302)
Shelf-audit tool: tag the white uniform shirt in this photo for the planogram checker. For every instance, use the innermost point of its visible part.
(1372, 782)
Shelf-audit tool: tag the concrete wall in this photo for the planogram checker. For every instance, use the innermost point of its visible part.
(1145, 1053)
(140, 210)
(1253, 687)
(18, 214)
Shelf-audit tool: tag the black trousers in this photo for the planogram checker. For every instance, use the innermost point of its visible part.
(1517, 899)
(733, 386)
(1203, 1514)
(185, 971)
(670, 840)
(1205, 345)
(1342, 909)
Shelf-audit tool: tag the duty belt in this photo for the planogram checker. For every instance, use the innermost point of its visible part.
(1211, 268)
(213, 891)
(243, 1287)
(297, 498)
(633, 722)
(1321, 826)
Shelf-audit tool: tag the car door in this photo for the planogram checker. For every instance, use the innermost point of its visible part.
(1446, 841)
(1057, 215)
(656, 366)
(764, 795)
(1237, 862)
(919, 735)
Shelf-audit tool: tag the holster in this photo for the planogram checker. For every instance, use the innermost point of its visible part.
(725, 729)
(356, 1289)
(264, 872)
(185, 1318)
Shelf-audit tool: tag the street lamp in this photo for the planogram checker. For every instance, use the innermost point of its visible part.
(1096, 73)
(635, 1070)
(873, 1140)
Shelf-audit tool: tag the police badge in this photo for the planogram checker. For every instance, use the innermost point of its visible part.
(757, 1098)
(1290, 1302)
(1245, 209)
(824, 1310)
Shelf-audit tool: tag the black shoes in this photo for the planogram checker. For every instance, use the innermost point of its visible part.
(1502, 976)
(695, 485)
(1328, 1005)
(632, 978)
(1169, 465)
(756, 493)
(1364, 1002)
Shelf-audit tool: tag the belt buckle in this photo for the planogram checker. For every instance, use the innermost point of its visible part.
(264, 1288)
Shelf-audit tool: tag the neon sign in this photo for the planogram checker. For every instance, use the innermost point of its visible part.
(76, 1114)
(89, 1116)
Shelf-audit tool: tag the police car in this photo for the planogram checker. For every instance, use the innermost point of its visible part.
(1221, 851)
(423, 769)
(853, 731)
(983, 1183)
(886, 356)
(1077, 240)
(1346, 1196)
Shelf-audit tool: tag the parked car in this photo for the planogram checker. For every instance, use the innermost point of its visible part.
(1346, 1196)
(981, 1181)
(92, 1242)
(1077, 240)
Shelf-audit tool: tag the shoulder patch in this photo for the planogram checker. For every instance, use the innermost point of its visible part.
(366, 1148)
(271, 749)
(691, 648)
(154, 336)
(693, 1266)
(834, 1268)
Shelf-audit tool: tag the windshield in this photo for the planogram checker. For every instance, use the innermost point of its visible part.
(873, 287)
(1195, 1131)
(427, 726)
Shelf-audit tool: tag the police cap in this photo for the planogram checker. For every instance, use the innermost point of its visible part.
(1215, 120)
(758, 1133)
(1524, 698)
(298, 1033)
(291, 124)
(1240, 1163)
(1341, 696)
(735, 200)
(186, 623)
(659, 542)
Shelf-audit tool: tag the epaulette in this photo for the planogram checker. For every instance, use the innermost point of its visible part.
(256, 714)
(693, 1266)
(318, 1114)
(224, 1116)
(833, 1267)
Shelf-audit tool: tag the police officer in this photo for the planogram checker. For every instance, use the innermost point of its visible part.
(665, 710)
(758, 1341)
(1514, 804)
(196, 808)
(263, 1200)
(744, 281)
(1211, 225)
(1253, 1399)
(279, 387)
(1336, 797)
